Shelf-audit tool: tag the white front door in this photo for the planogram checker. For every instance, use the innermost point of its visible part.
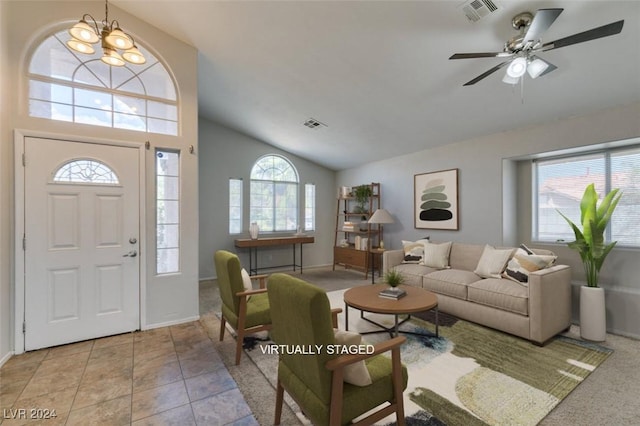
(82, 260)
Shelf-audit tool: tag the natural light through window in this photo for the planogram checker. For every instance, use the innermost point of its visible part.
(309, 207)
(274, 194)
(560, 184)
(167, 211)
(66, 86)
(235, 206)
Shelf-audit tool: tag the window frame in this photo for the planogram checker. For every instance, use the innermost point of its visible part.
(606, 155)
(158, 249)
(289, 186)
(121, 109)
(307, 207)
(239, 208)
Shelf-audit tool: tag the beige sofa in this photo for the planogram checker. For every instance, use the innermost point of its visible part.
(537, 311)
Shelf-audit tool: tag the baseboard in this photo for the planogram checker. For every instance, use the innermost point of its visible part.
(170, 323)
(6, 358)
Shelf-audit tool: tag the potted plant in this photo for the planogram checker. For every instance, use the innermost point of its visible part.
(593, 251)
(393, 278)
(361, 194)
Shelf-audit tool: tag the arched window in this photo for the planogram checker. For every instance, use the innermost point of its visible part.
(273, 201)
(79, 88)
(85, 170)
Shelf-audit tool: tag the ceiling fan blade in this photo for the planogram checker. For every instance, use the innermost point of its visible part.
(480, 55)
(541, 23)
(486, 73)
(592, 34)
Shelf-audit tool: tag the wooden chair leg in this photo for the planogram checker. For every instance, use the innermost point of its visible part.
(239, 341)
(223, 323)
(397, 386)
(279, 399)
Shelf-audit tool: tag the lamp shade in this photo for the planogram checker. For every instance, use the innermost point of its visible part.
(111, 57)
(537, 67)
(134, 56)
(119, 40)
(517, 67)
(381, 216)
(82, 31)
(81, 46)
(510, 80)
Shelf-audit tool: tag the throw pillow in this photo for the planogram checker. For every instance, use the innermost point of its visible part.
(524, 262)
(246, 281)
(357, 373)
(492, 262)
(413, 251)
(436, 255)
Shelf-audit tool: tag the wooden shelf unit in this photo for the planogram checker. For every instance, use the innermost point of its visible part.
(348, 255)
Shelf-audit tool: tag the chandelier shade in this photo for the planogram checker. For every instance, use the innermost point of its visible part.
(118, 47)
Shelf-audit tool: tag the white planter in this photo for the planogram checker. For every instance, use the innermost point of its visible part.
(593, 320)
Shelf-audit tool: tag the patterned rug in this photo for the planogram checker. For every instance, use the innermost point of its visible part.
(470, 375)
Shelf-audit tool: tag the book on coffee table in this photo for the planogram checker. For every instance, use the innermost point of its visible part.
(392, 293)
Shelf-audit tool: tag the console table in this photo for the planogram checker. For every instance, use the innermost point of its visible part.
(253, 246)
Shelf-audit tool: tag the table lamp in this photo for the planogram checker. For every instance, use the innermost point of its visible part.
(380, 217)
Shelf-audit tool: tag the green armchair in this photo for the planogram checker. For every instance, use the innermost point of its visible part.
(245, 314)
(301, 316)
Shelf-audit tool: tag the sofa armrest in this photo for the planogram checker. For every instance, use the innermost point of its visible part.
(391, 259)
(549, 302)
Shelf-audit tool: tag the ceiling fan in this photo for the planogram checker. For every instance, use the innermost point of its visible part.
(521, 50)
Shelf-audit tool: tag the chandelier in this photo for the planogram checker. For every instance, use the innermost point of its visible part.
(113, 40)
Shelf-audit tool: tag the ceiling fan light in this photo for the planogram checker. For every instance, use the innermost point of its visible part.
(510, 80)
(537, 67)
(517, 67)
(82, 31)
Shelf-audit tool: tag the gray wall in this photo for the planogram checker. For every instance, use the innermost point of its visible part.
(226, 154)
(495, 210)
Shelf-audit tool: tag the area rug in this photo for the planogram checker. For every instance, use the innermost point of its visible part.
(469, 375)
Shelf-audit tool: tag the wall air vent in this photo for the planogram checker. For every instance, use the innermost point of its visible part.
(312, 123)
(475, 10)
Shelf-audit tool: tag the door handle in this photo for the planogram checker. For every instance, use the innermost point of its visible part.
(132, 253)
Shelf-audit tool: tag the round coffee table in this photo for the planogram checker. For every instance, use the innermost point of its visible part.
(366, 298)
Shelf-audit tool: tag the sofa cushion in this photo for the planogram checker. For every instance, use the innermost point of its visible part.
(451, 282)
(413, 273)
(493, 262)
(465, 256)
(500, 293)
(436, 255)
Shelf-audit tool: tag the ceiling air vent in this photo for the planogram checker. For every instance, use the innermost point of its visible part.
(312, 123)
(475, 10)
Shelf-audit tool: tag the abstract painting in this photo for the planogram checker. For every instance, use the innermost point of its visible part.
(436, 200)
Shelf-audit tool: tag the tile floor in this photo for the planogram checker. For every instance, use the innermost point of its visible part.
(165, 376)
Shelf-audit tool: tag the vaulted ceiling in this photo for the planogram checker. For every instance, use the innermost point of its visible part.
(377, 73)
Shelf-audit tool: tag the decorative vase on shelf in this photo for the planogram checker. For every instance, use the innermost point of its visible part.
(254, 229)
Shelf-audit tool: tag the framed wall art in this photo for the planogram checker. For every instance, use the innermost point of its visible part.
(435, 203)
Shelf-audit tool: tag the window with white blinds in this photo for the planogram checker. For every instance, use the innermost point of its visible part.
(560, 183)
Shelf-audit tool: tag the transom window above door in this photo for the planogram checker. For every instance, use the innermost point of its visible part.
(66, 86)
